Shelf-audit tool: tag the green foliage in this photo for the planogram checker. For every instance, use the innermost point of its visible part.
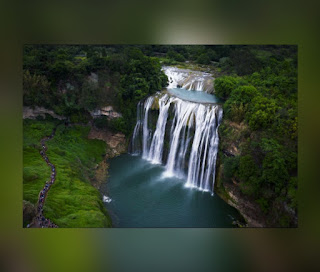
(275, 172)
(247, 168)
(292, 193)
(264, 205)
(262, 112)
(224, 86)
(264, 100)
(237, 104)
(244, 62)
(118, 124)
(36, 90)
(237, 112)
(175, 56)
(77, 116)
(72, 201)
(244, 94)
(259, 86)
(203, 59)
(35, 170)
(90, 95)
(73, 80)
(101, 122)
(230, 166)
(225, 63)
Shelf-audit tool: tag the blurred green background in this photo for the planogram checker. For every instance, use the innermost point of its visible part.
(162, 22)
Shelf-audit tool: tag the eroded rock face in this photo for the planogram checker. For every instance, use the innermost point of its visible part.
(116, 145)
(101, 172)
(29, 113)
(248, 208)
(233, 135)
(106, 111)
(116, 142)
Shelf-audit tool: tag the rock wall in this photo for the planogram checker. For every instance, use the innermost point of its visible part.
(116, 145)
(106, 111)
(30, 113)
(232, 137)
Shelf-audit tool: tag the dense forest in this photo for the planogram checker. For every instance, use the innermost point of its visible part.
(261, 97)
(57, 77)
(258, 85)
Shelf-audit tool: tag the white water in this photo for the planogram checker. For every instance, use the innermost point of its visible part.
(189, 80)
(193, 138)
(146, 131)
(156, 147)
(106, 199)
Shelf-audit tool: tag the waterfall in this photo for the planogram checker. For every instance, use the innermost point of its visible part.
(156, 148)
(187, 131)
(189, 80)
(145, 129)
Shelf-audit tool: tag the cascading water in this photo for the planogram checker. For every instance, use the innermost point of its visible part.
(193, 132)
(176, 138)
(146, 131)
(189, 80)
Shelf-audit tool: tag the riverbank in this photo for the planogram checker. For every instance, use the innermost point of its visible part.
(116, 144)
(231, 194)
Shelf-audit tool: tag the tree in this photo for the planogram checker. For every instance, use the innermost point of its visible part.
(90, 95)
(224, 86)
(175, 56)
(262, 112)
(274, 172)
(244, 94)
(244, 61)
(203, 59)
(36, 90)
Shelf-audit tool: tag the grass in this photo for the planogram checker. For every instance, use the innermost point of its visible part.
(72, 201)
(35, 170)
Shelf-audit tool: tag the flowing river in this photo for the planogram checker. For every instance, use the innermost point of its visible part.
(168, 178)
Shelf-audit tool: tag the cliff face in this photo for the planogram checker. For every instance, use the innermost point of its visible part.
(232, 137)
(32, 113)
(116, 145)
(231, 193)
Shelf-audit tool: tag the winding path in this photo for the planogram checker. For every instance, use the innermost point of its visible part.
(39, 221)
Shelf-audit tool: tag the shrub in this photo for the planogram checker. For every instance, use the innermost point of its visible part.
(224, 86)
(247, 168)
(230, 166)
(262, 112)
(203, 59)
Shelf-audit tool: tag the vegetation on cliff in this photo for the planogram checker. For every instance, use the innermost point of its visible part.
(72, 201)
(259, 131)
(258, 135)
(74, 80)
